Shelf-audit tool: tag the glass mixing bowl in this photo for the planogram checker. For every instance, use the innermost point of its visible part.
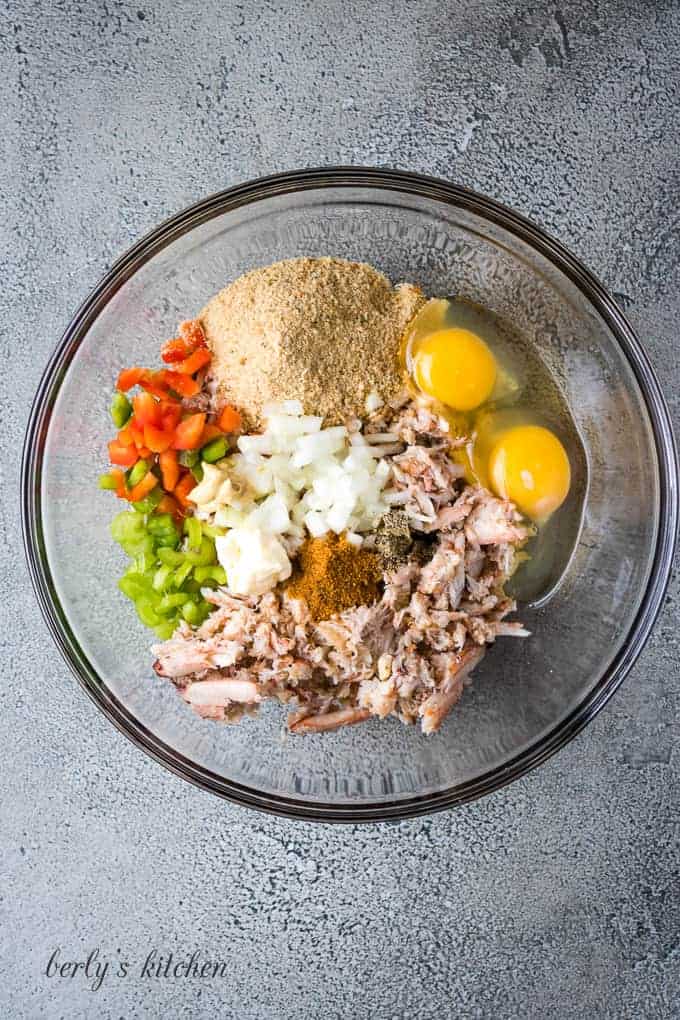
(528, 697)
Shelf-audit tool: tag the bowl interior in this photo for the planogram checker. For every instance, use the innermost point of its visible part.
(523, 689)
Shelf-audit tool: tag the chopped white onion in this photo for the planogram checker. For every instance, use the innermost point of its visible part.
(316, 524)
(249, 445)
(376, 438)
(354, 539)
(394, 498)
(270, 515)
(298, 478)
(283, 425)
(291, 407)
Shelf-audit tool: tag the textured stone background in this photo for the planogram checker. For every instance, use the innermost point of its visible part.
(557, 897)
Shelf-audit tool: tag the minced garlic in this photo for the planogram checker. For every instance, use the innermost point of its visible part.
(254, 560)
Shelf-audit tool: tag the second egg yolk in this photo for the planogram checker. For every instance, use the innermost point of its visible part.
(530, 466)
(456, 367)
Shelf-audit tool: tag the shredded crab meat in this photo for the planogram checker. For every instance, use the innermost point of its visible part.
(408, 655)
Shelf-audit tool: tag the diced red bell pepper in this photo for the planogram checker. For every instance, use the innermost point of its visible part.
(191, 337)
(153, 383)
(121, 488)
(188, 433)
(129, 377)
(174, 350)
(169, 505)
(143, 488)
(229, 419)
(124, 456)
(182, 384)
(170, 422)
(185, 485)
(199, 359)
(127, 435)
(171, 412)
(147, 410)
(210, 432)
(191, 331)
(169, 469)
(157, 439)
(135, 431)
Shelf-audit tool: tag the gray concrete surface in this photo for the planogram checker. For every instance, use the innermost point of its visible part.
(557, 897)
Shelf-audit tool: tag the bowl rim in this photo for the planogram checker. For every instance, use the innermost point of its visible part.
(381, 180)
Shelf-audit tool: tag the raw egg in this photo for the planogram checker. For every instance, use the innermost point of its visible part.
(529, 466)
(456, 367)
(455, 354)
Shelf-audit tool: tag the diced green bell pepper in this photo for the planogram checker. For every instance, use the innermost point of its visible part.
(137, 472)
(214, 450)
(108, 482)
(167, 541)
(161, 524)
(188, 458)
(163, 529)
(150, 502)
(120, 409)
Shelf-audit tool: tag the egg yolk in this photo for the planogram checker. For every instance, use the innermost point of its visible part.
(455, 367)
(530, 466)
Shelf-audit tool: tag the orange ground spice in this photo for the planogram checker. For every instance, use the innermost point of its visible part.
(332, 575)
